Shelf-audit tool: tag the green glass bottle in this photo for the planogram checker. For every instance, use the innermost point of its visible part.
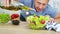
(22, 7)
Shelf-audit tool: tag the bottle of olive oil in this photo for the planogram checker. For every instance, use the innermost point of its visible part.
(22, 7)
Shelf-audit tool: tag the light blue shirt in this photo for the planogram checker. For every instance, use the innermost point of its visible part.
(47, 11)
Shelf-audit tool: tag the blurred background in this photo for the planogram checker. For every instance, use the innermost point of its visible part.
(53, 3)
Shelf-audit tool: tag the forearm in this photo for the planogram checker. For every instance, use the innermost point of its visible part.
(57, 18)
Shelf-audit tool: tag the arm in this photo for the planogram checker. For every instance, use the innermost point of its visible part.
(54, 14)
(57, 18)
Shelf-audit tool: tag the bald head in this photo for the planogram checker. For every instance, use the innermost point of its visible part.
(47, 0)
(43, 1)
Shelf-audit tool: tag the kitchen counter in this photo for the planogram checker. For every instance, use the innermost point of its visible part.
(22, 28)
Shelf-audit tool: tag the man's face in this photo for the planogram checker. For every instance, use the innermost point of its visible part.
(40, 4)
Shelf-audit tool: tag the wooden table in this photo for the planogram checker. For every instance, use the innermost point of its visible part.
(23, 28)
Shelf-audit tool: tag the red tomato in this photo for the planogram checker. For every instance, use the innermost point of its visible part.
(42, 21)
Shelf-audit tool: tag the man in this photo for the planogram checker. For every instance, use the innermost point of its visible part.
(41, 6)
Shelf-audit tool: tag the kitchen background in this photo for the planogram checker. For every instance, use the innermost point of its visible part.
(53, 3)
